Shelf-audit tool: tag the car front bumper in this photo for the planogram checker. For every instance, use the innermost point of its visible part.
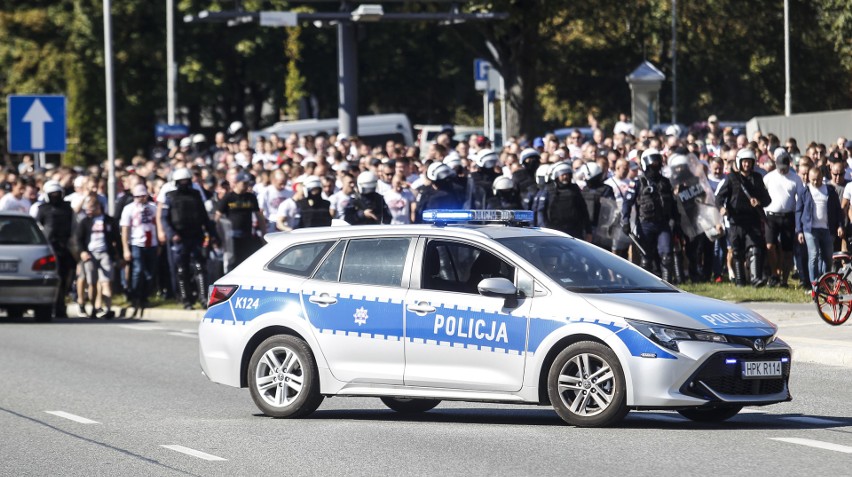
(708, 374)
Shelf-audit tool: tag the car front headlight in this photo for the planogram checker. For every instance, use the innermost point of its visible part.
(668, 337)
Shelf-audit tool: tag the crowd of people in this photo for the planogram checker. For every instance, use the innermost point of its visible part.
(708, 205)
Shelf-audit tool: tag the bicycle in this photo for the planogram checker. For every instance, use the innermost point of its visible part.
(833, 291)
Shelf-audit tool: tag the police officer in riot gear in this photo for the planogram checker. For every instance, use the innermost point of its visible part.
(185, 221)
(439, 194)
(462, 183)
(742, 196)
(484, 176)
(57, 217)
(368, 207)
(653, 197)
(314, 211)
(539, 201)
(594, 191)
(524, 178)
(504, 195)
(563, 207)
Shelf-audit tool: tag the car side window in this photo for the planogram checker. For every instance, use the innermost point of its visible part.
(377, 261)
(330, 269)
(459, 267)
(300, 259)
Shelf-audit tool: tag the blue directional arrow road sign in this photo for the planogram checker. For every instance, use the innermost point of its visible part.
(36, 123)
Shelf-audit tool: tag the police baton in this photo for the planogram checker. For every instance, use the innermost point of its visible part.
(635, 241)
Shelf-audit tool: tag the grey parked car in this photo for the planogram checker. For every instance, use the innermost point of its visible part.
(28, 277)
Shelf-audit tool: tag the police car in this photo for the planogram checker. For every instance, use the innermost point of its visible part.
(476, 306)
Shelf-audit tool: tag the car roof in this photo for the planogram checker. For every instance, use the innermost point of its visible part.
(471, 231)
(14, 213)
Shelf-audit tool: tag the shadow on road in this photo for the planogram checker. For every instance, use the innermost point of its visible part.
(668, 420)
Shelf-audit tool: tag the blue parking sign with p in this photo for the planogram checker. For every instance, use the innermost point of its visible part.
(36, 123)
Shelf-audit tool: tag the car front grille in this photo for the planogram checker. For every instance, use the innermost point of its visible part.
(724, 378)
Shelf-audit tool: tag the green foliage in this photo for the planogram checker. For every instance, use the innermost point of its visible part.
(561, 61)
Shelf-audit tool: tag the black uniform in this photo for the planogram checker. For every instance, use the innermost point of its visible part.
(441, 195)
(183, 215)
(57, 217)
(354, 211)
(238, 208)
(564, 209)
(746, 229)
(504, 200)
(313, 212)
(483, 180)
(653, 197)
(524, 180)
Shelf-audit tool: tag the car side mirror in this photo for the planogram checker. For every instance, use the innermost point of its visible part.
(500, 287)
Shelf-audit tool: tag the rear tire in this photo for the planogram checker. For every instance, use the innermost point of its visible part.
(714, 414)
(43, 313)
(586, 385)
(283, 378)
(410, 406)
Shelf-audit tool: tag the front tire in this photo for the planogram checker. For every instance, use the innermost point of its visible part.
(410, 406)
(586, 385)
(713, 414)
(283, 378)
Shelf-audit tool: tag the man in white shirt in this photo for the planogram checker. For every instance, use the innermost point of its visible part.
(15, 200)
(271, 198)
(620, 183)
(341, 199)
(399, 200)
(139, 242)
(782, 184)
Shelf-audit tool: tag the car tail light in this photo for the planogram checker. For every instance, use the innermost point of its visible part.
(221, 293)
(45, 264)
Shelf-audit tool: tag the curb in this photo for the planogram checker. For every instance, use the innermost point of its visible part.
(152, 314)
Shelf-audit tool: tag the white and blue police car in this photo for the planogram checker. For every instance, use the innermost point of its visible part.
(475, 306)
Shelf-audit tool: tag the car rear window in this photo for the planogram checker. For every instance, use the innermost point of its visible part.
(20, 231)
(300, 259)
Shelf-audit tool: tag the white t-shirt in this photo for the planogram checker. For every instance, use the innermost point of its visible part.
(820, 196)
(339, 201)
(269, 200)
(10, 203)
(782, 190)
(399, 204)
(290, 210)
(619, 188)
(140, 219)
(97, 239)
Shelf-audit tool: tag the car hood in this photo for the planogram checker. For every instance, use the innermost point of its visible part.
(684, 310)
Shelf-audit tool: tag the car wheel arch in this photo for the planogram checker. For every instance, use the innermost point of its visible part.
(259, 337)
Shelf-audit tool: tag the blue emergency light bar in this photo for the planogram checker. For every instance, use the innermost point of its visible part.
(445, 216)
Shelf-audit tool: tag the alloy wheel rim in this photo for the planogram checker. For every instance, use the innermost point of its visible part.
(279, 377)
(586, 385)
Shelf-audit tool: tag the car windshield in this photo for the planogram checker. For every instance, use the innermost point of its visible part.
(584, 268)
(20, 231)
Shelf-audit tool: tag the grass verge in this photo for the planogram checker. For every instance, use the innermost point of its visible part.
(730, 292)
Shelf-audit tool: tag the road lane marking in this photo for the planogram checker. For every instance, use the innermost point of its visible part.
(813, 443)
(812, 420)
(182, 334)
(72, 417)
(193, 452)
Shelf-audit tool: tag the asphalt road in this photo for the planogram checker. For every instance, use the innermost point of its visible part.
(105, 398)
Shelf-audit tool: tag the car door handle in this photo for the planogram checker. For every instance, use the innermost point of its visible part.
(323, 300)
(421, 308)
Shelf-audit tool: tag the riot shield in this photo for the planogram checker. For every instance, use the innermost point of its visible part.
(609, 217)
(695, 200)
